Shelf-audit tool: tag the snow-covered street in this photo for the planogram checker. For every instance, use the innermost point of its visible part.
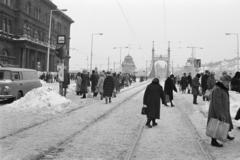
(53, 127)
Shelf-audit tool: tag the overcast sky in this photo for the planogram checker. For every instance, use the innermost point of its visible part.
(200, 23)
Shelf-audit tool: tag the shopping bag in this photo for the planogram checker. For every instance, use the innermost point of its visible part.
(167, 98)
(237, 117)
(217, 129)
(144, 110)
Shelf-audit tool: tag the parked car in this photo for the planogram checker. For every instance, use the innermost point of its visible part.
(16, 82)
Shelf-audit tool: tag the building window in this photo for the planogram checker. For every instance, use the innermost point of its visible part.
(4, 56)
(5, 25)
(28, 8)
(7, 2)
(9, 26)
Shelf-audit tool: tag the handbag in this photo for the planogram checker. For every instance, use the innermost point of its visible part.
(217, 129)
(237, 117)
(144, 110)
(167, 98)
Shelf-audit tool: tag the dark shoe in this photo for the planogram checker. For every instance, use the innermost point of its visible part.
(230, 138)
(149, 125)
(154, 124)
(172, 105)
(195, 103)
(238, 127)
(216, 144)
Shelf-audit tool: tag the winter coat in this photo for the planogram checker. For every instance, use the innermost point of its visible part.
(184, 82)
(169, 86)
(189, 78)
(204, 82)
(78, 83)
(219, 107)
(66, 80)
(84, 85)
(195, 86)
(235, 84)
(151, 99)
(100, 84)
(94, 80)
(108, 86)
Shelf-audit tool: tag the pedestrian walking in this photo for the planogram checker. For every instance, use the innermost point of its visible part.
(195, 87)
(108, 87)
(184, 83)
(169, 87)
(66, 82)
(100, 84)
(235, 82)
(78, 82)
(219, 108)
(84, 84)
(204, 83)
(151, 100)
(189, 80)
(94, 80)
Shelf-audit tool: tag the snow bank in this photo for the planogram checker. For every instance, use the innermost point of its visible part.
(40, 100)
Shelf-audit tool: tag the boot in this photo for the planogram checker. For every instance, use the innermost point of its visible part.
(172, 105)
(230, 138)
(154, 123)
(84, 96)
(215, 143)
(110, 100)
(148, 123)
(106, 100)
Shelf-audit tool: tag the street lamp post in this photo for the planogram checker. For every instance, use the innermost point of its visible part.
(49, 34)
(92, 48)
(237, 37)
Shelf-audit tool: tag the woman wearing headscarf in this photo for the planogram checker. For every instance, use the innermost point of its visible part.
(219, 108)
(100, 84)
(151, 100)
(78, 81)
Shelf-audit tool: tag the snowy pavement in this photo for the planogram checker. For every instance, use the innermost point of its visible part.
(37, 140)
(198, 117)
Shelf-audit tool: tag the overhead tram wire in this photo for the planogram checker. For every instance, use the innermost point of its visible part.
(126, 19)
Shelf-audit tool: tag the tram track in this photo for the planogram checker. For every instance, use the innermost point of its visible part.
(58, 147)
(184, 116)
(67, 113)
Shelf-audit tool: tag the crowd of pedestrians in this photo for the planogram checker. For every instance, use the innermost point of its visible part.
(105, 84)
(214, 90)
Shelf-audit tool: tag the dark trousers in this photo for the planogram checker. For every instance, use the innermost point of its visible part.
(194, 98)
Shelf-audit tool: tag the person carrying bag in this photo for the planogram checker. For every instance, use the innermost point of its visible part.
(219, 119)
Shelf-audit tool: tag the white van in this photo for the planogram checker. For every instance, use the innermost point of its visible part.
(16, 82)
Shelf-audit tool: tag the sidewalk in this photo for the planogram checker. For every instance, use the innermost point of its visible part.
(198, 117)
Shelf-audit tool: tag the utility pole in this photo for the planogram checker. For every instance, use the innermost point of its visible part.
(108, 63)
(168, 61)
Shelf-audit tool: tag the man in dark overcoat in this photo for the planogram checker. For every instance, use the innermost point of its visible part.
(85, 82)
(184, 83)
(169, 87)
(219, 108)
(204, 83)
(195, 87)
(108, 87)
(151, 99)
(94, 80)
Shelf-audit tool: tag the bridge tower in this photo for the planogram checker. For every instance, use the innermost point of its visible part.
(160, 58)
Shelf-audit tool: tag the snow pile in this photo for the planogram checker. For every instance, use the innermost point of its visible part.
(40, 100)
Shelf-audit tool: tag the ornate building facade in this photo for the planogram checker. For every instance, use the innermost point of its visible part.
(24, 29)
(128, 65)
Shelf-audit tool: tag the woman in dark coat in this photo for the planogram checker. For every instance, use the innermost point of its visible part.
(151, 99)
(169, 86)
(235, 82)
(108, 87)
(219, 108)
(84, 85)
(195, 88)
